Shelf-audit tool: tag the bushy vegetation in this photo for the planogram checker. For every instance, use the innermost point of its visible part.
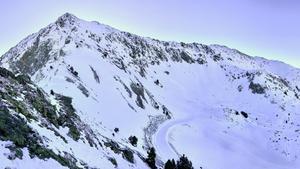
(151, 158)
(23, 79)
(170, 164)
(5, 73)
(113, 146)
(16, 105)
(113, 161)
(133, 140)
(42, 105)
(244, 114)
(74, 132)
(16, 130)
(184, 163)
(18, 100)
(69, 117)
(126, 153)
(15, 152)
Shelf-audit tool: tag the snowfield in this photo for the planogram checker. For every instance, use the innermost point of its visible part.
(221, 108)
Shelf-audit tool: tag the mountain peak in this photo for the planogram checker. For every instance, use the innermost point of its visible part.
(68, 15)
(66, 18)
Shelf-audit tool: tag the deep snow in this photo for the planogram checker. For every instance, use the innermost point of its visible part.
(203, 99)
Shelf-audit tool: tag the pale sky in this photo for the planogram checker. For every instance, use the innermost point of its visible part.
(266, 28)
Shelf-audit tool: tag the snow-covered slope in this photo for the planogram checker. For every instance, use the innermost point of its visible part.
(220, 107)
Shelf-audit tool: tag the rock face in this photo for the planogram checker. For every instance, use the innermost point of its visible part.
(28, 116)
(94, 87)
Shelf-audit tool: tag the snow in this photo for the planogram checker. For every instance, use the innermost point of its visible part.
(26, 162)
(203, 100)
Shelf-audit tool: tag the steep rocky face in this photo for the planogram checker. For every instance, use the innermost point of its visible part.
(35, 125)
(114, 86)
(26, 111)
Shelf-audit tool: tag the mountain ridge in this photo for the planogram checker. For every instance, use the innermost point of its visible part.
(69, 16)
(214, 96)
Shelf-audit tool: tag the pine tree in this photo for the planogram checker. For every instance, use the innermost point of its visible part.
(51, 92)
(170, 164)
(133, 140)
(151, 158)
(184, 163)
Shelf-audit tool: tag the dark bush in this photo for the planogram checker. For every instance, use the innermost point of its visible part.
(184, 163)
(170, 164)
(73, 71)
(51, 92)
(23, 79)
(128, 155)
(74, 133)
(113, 161)
(244, 114)
(5, 73)
(151, 158)
(133, 140)
(14, 129)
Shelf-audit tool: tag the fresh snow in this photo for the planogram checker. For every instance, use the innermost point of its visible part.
(202, 98)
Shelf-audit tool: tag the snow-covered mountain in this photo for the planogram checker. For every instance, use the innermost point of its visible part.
(220, 107)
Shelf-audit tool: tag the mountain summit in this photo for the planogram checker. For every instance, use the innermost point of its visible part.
(102, 98)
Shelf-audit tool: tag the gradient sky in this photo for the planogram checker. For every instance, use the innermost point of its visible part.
(266, 28)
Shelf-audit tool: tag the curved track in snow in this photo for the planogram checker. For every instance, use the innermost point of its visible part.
(162, 138)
